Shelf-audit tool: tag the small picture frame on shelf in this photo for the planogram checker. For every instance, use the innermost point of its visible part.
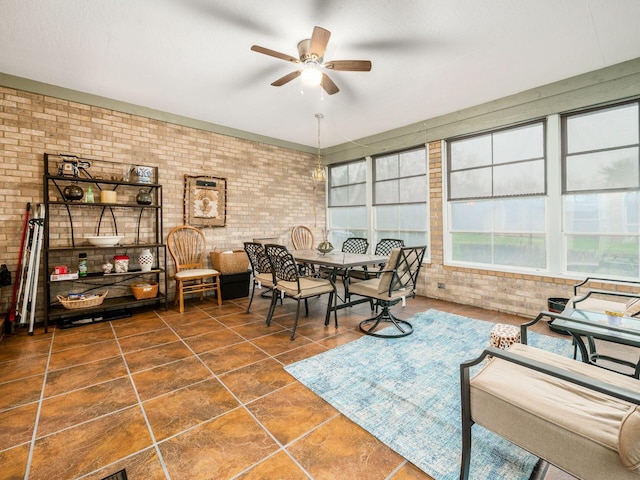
(205, 201)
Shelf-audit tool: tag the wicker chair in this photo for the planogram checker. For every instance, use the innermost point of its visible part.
(187, 246)
(289, 282)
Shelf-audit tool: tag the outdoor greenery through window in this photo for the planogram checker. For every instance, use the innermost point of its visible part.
(497, 205)
(601, 188)
(381, 197)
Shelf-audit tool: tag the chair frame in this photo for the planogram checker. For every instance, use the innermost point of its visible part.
(302, 238)
(259, 264)
(189, 255)
(355, 245)
(404, 276)
(285, 269)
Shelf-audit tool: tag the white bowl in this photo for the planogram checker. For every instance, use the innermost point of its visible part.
(105, 240)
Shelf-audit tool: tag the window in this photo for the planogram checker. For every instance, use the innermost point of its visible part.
(497, 198)
(400, 208)
(382, 197)
(347, 201)
(601, 189)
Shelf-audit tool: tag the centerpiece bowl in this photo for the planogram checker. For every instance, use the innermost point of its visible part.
(104, 240)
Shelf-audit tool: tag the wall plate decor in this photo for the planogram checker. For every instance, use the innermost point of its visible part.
(205, 201)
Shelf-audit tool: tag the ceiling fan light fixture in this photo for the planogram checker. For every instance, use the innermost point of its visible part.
(311, 75)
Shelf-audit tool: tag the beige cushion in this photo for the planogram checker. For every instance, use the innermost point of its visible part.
(385, 278)
(195, 273)
(629, 441)
(370, 288)
(265, 279)
(309, 287)
(568, 425)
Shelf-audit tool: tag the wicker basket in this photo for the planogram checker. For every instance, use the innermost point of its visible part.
(232, 262)
(82, 302)
(142, 290)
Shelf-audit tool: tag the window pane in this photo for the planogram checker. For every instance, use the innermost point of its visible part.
(357, 194)
(339, 196)
(357, 172)
(339, 218)
(522, 143)
(603, 254)
(386, 192)
(358, 218)
(520, 250)
(471, 216)
(386, 217)
(413, 189)
(520, 215)
(471, 247)
(603, 170)
(471, 152)
(613, 127)
(519, 178)
(413, 163)
(386, 167)
(471, 183)
(413, 216)
(339, 175)
(615, 212)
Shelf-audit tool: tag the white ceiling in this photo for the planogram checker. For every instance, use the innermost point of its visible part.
(430, 57)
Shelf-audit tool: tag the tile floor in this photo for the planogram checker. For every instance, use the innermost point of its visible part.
(198, 395)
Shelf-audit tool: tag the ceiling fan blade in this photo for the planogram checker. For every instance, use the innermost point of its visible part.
(319, 41)
(273, 53)
(349, 65)
(328, 85)
(286, 79)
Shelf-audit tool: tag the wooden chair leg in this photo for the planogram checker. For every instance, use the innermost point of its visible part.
(181, 296)
(218, 293)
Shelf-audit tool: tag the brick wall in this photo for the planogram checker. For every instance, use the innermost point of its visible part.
(269, 188)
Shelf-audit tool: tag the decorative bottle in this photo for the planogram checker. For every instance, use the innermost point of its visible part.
(82, 265)
(145, 260)
(89, 197)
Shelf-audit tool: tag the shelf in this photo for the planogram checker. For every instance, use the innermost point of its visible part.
(57, 312)
(88, 246)
(99, 204)
(97, 275)
(101, 181)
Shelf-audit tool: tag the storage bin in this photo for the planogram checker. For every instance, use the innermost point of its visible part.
(230, 262)
(235, 285)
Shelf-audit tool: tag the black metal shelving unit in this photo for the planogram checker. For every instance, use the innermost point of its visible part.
(68, 222)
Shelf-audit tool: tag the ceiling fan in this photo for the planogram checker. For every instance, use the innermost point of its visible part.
(311, 59)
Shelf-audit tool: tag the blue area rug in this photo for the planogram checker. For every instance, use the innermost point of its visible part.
(406, 392)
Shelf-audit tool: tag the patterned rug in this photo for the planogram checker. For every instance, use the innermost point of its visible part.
(406, 392)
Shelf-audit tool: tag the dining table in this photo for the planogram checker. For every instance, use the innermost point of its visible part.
(336, 262)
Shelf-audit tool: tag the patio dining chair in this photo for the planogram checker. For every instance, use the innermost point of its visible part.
(301, 238)
(291, 284)
(187, 246)
(260, 268)
(397, 280)
(383, 248)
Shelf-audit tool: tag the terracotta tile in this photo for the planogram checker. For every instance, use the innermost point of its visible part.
(23, 368)
(20, 392)
(17, 425)
(182, 409)
(256, 380)
(85, 354)
(87, 447)
(199, 327)
(166, 378)
(341, 449)
(301, 353)
(280, 342)
(230, 358)
(174, 318)
(72, 378)
(241, 318)
(144, 466)
(14, 462)
(81, 338)
(146, 340)
(213, 340)
(227, 308)
(79, 406)
(292, 411)
(256, 329)
(217, 449)
(278, 466)
(155, 356)
(410, 472)
(340, 339)
(19, 348)
(136, 325)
